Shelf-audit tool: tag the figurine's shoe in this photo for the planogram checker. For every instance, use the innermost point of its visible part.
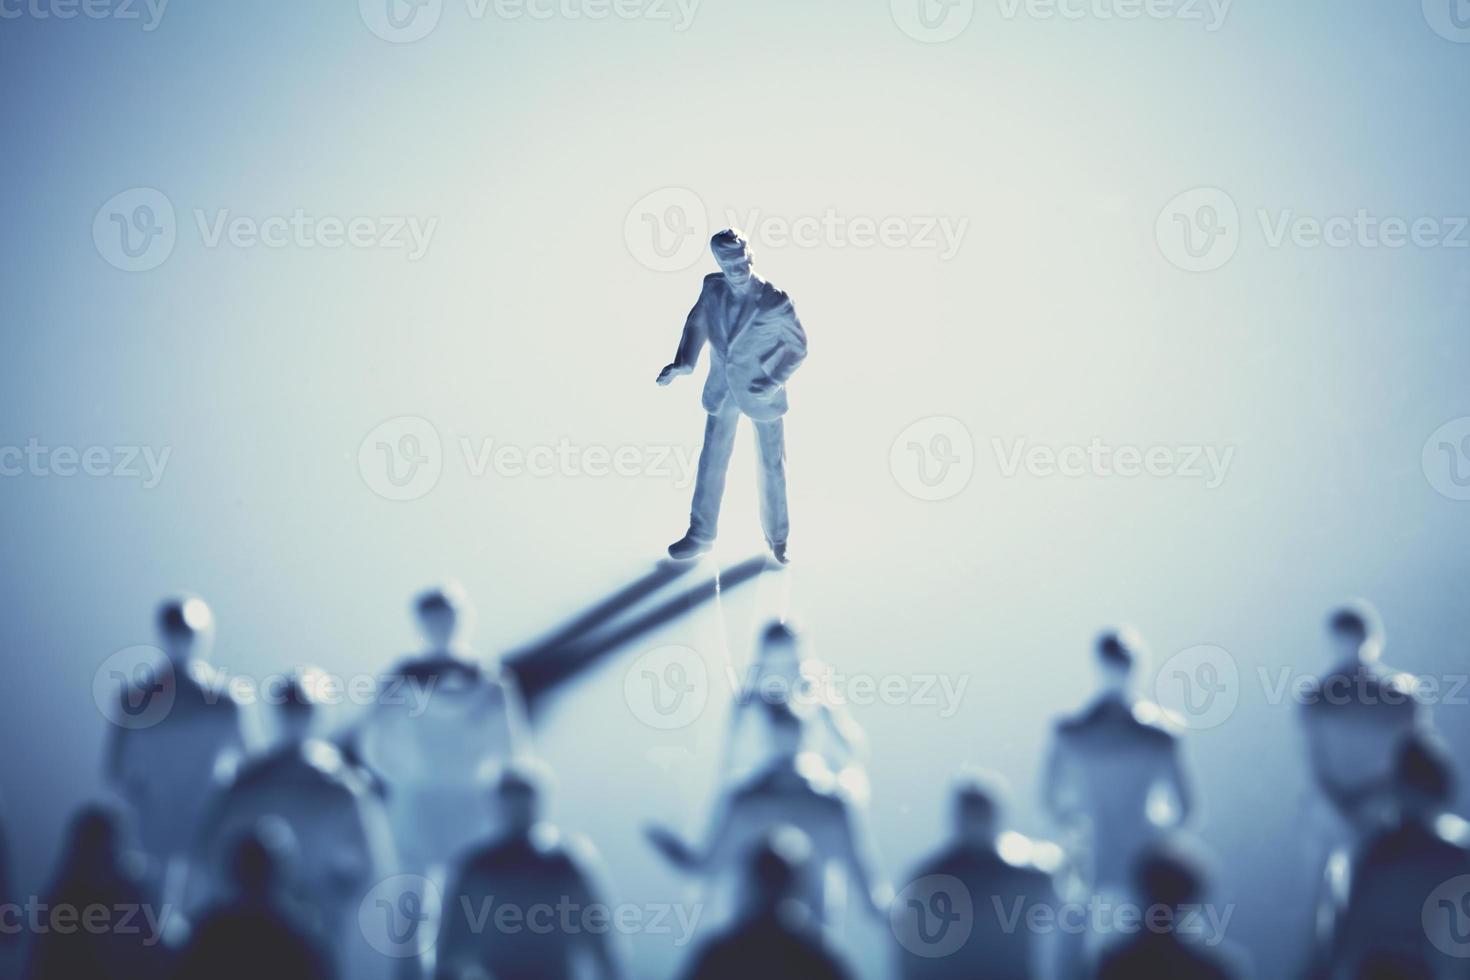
(778, 552)
(688, 547)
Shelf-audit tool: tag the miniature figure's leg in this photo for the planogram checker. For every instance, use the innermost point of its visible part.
(770, 437)
(714, 460)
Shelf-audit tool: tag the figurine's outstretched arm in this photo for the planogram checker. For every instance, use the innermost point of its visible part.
(696, 332)
(694, 860)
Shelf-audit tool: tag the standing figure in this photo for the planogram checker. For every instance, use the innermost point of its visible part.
(1115, 782)
(441, 730)
(794, 789)
(1403, 893)
(1355, 716)
(99, 870)
(756, 344)
(1116, 775)
(343, 842)
(546, 878)
(257, 932)
(1006, 876)
(775, 936)
(176, 739)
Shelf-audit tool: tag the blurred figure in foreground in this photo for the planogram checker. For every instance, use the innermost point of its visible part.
(1115, 782)
(442, 727)
(1404, 893)
(176, 738)
(1355, 717)
(343, 843)
(530, 868)
(1176, 941)
(795, 789)
(1004, 877)
(99, 871)
(1115, 776)
(256, 935)
(775, 936)
(783, 673)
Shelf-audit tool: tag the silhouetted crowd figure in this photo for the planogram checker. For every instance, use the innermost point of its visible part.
(357, 856)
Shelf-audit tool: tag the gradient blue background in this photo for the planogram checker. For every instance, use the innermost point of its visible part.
(530, 321)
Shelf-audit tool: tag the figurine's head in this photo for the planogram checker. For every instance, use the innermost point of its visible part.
(1118, 652)
(298, 702)
(780, 652)
(1355, 633)
(441, 613)
(260, 858)
(977, 806)
(733, 254)
(185, 628)
(1170, 873)
(774, 869)
(1423, 776)
(518, 797)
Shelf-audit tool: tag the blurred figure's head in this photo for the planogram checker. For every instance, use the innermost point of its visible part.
(733, 254)
(1118, 653)
(774, 871)
(96, 839)
(978, 801)
(1354, 633)
(1170, 873)
(260, 859)
(1423, 775)
(299, 695)
(518, 797)
(442, 612)
(780, 652)
(185, 628)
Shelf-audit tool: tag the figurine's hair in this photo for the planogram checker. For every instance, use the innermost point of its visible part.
(1118, 649)
(729, 243)
(1356, 619)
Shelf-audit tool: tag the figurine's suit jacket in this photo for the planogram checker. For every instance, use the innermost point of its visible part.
(750, 337)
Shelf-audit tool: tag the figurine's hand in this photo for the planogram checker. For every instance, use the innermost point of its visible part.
(672, 371)
(762, 386)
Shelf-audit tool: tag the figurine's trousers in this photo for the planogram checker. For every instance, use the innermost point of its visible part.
(714, 460)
